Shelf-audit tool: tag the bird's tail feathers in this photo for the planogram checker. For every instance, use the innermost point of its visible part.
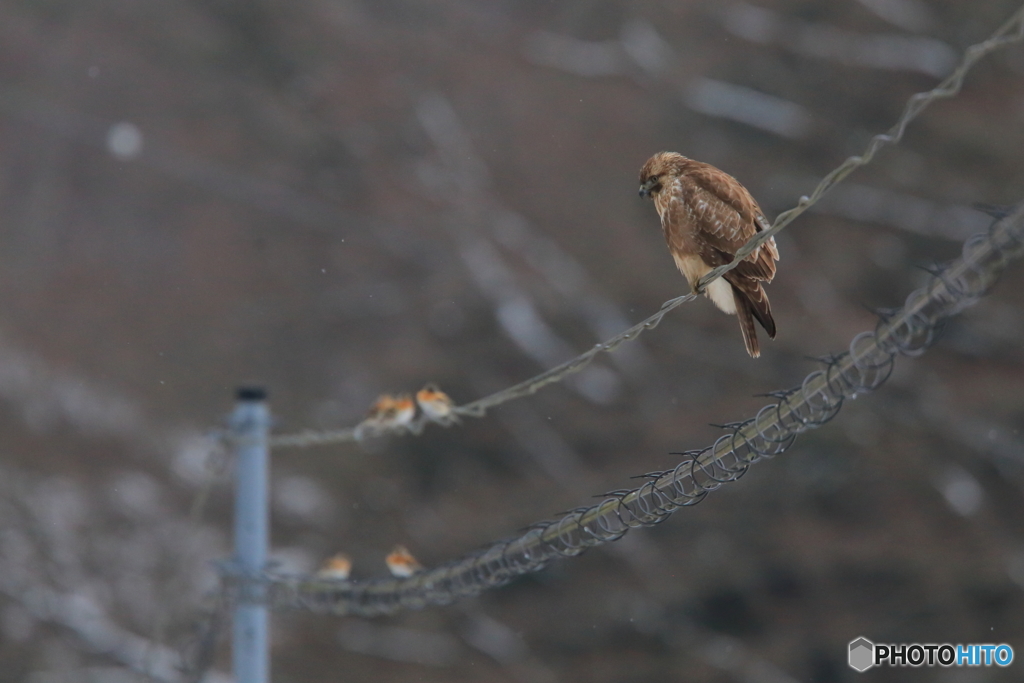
(762, 310)
(743, 312)
(752, 303)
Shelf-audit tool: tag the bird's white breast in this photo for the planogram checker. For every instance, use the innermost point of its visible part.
(720, 292)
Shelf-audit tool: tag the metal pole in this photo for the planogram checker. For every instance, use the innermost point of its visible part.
(250, 425)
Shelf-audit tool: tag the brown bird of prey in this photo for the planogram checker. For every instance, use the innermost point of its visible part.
(707, 216)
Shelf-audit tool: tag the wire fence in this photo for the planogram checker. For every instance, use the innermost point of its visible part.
(867, 364)
(1012, 31)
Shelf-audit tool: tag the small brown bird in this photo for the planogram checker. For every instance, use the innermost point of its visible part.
(337, 567)
(436, 405)
(405, 411)
(707, 216)
(388, 413)
(401, 563)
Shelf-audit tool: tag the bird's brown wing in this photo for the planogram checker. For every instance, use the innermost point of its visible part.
(726, 217)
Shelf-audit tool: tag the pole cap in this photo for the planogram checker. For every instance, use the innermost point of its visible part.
(251, 394)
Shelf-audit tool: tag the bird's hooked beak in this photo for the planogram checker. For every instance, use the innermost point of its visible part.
(649, 186)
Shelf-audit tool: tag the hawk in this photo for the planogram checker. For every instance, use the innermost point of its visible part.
(707, 216)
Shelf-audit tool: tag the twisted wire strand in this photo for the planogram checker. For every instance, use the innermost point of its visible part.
(863, 368)
(1011, 31)
(480, 407)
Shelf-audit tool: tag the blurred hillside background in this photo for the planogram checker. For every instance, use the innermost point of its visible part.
(339, 198)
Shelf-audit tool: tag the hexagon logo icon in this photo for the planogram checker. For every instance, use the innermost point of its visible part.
(862, 654)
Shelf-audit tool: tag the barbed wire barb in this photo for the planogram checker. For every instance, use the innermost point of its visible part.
(862, 368)
(1012, 31)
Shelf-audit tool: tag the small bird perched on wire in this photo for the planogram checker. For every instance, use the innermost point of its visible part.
(336, 567)
(707, 216)
(388, 413)
(401, 563)
(436, 405)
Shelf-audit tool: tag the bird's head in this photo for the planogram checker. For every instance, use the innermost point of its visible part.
(657, 170)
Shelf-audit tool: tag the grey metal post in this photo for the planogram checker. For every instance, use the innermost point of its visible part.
(250, 425)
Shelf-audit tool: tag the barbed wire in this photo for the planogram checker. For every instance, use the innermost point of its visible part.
(867, 364)
(1012, 31)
